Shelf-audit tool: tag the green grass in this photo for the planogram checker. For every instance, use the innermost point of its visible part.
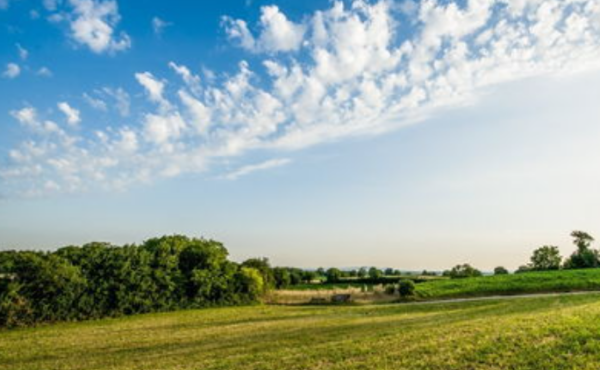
(525, 333)
(532, 282)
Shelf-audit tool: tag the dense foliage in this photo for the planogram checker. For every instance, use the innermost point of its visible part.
(99, 279)
(462, 271)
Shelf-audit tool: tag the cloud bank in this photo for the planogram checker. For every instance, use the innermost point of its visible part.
(354, 69)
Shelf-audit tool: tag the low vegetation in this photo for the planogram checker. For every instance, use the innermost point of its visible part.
(556, 333)
(504, 284)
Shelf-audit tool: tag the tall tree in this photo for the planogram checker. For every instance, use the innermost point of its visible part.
(546, 258)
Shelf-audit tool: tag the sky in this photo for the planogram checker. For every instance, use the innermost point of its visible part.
(407, 134)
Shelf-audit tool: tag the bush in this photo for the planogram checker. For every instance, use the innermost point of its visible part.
(406, 288)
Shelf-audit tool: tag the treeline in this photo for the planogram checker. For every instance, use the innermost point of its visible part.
(99, 280)
(544, 258)
(285, 277)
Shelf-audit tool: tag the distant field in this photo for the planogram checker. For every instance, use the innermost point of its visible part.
(531, 282)
(525, 333)
(348, 283)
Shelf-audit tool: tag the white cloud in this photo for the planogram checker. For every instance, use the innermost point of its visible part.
(44, 72)
(191, 80)
(23, 53)
(93, 24)
(122, 100)
(154, 88)
(159, 25)
(95, 103)
(160, 129)
(277, 32)
(72, 115)
(51, 5)
(26, 116)
(12, 71)
(354, 71)
(246, 170)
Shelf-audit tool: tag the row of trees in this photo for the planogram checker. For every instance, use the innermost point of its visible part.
(284, 277)
(545, 258)
(99, 280)
(548, 257)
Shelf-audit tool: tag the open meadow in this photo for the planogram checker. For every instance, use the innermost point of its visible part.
(558, 332)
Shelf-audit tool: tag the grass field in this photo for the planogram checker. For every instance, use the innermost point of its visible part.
(523, 333)
(531, 282)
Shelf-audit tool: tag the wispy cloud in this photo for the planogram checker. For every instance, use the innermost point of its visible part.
(159, 25)
(23, 53)
(339, 72)
(44, 72)
(246, 170)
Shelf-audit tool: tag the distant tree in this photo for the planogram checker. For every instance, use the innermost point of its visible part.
(375, 273)
(362, 273)
(406, 288)
(500, 271)
(524, 268)
(546, 258)
(389, 272)
(353, 273)
(584, 256)
(463, 271)
(281, 277)
(333, 275)
(309, 276)
(295, 276)
(582, 240)
(320, 272)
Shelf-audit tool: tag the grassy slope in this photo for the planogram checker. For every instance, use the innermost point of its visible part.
(532, 282)
(529, 333)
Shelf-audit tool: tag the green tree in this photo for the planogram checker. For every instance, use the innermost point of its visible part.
(406, 288)
(584, 256)
(463, 271)
(264, 267)
(546, 258)
(333, 275)
(309, 276)
(362, 273)
(249, 282)
(375, 273)
(281, 277)
(500, 271)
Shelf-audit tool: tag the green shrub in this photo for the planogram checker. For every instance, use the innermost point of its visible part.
(406, 288)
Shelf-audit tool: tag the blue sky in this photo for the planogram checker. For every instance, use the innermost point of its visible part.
(390, 133)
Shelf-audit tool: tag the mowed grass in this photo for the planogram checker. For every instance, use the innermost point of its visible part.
(531, 282)
(559, 332)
